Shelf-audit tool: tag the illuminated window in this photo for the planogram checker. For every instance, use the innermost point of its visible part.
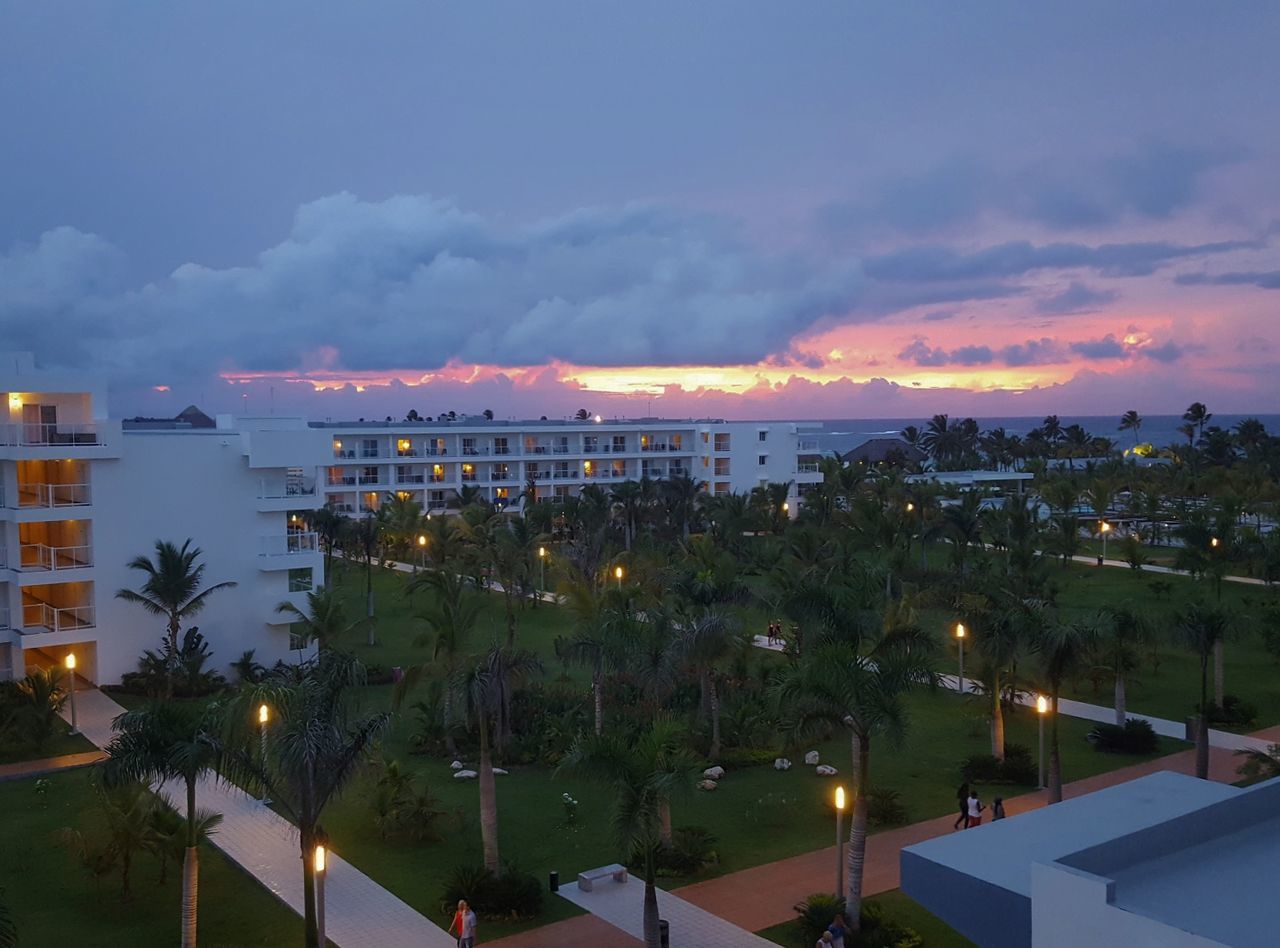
(502, 493)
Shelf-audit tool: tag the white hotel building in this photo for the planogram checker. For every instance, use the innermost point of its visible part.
(81, 495)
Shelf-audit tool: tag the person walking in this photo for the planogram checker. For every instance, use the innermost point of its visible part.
(837, 931)
(975, 809)
(962, 801)
(464, 925)
(997, 809)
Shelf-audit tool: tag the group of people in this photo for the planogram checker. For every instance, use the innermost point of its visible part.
(971, 808)
(833, 937)
(775, 635)
(464, 925)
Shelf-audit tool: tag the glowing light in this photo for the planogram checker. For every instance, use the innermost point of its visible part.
(320, 859)
(1042, 704)
(910, 506)
(71, 661)
(960, 630)
(1214, 542)
(422, 540)
(263, 713)
(839, 798)
(159, 388)
(598, 419)
(617, 572)
(1106, 527)
(15, 401)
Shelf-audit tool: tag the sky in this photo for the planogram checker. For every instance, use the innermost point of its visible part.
(733, 209)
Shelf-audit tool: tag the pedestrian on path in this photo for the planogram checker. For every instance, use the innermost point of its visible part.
(962, 801)
(464, 921)
(975, 810)
(837, 931)
(825, 941)
(997, 809)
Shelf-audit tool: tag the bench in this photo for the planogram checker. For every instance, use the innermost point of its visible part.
(587, 879)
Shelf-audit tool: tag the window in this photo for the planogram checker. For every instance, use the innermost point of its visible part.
(468, 472)
(404, 448)
(763, 435)
(722, 442)
(369, 448)
(590, 444)
(340, 452)
(469, 447)
(722, 467)
(722, 488)
(437, 473)
(675, 440)
(368, 475)
(500, 446)
(297, 642)
(764, 459)
(500, 473)
(436, 447)
(502, 493)
(619, 443)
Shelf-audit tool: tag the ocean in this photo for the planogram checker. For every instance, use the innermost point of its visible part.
(1160, 430)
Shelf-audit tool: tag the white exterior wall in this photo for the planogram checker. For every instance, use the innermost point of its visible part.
(1070, 908)
(175, 485)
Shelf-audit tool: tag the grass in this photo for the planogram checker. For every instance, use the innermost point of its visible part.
(63, 742)
(934, 932)
(55, 902)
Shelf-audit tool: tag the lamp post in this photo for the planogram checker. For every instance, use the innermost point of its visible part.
(320, 869)
(617, 574)
(1104, 528)
(960, 633)
(264, 713)
(1042, 708)
(542, 568)
(422, 551)
(71, 667)
(1213, 542)
(839, 841)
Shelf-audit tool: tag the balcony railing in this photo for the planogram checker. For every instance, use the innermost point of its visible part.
(502, 450)
(538, 475)
(341, 480)
(368, 479)
(560, 449)
(565, 475)
(407, 453)
(369, 453)
(468, 478)
(435, 478)
(502, 476)
(53, 495)
(807, 445)
(411, 478)
(808, 468)
(344, 454)
(293, 487)
(287, 544)
(537, 449)
(39, 557)
(42, 617)
(40, 435)
(435, 452)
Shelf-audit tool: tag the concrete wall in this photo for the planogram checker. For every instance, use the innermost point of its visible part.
(985, 913)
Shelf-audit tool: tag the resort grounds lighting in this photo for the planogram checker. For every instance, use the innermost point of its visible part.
(1042, 708)
(1213, 542)
(960, 634)
(617, 574)
(422, 550)
(910, 506)
(1104, 528)
(839, 841)
(320, 865)
(264, 714)
(71, 667)
(542, 565)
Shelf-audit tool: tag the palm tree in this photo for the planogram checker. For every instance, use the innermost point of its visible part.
(1202, 628)
(962, 525)
(681, 498)
(1122, 633)
(169, 741)
(1131, 421)
(1062, 647)
(628, 502)
(705, 644)
(1051, 429)
(324, 621)
(599, 624)
(172, 588)
(1198, 416)
(366, 533)
(330, 526)
(313, 749)
(837, 685)
(643, 775)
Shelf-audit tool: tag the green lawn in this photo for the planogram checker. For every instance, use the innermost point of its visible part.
(54, 902)
(63, 742)
(932, 930)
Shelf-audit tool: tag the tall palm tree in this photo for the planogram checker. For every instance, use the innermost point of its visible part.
(330, 525)
(600, 621)
(1202, 628)
(172, 589)
(705, 643)
(1062, 648)
(313, 749)
(643, 775)
(169, 741)
(628, 502)
(1122, 631)
(1198, 415)
(367, 534)
(839, 685)
(1131, 421)
(680, 495)
(323, 622)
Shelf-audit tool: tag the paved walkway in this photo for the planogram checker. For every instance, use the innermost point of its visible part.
(1152, 568)
(49, 765)
(622, 905)
(579, 930)
(764, 895)
(358, 911)
(493, 586)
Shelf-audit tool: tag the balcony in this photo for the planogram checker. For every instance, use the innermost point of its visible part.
(286, 550)
(411, 479)
(537, 449)
(435, 452)
(293, 493)
(474, 452)
(38, 557)
(344, 454)
(502, 476)
(538, 475)
(38, 617)
(368, 480)
(53, 495)
(808, 468)
(807, 446)
(40, 435)
(560, 449)
(502, 450)
(408, 453)
(342, 480)
(435, 478)
(565, 475)
(469, 478)
(4, 619)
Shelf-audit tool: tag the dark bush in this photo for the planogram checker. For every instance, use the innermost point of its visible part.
(1018, 767)
(744, 757)
(877, 931)
(693, 849)
(1136, 737)
(1233, 713)
(514, 894)
(884, 807)
(378, 675)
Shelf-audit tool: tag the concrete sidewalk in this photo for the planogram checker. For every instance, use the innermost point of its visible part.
(49, 765)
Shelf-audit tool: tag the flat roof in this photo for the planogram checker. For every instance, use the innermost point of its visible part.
(478, 422)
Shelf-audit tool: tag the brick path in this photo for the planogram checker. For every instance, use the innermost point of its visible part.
(49, 765)
(764, 895)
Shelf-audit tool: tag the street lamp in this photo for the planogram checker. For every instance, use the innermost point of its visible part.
(320, 869)
(617, 574)
(1104, 529)
(960, 633)
(422, 550)
(264, 713)
(542, 565)
(1042, 707)
(839, 841)
(1214, 542)
(910, 506)
(71, 667)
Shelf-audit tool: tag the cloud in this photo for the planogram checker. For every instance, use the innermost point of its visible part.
(416, 282)
(936, 263)
(1108, 347)
(1076, 298)
(1166, 352)
(1032, 352)
(1266, 280)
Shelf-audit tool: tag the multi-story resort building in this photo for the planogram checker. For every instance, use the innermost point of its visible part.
(509, 463)
(82, 495)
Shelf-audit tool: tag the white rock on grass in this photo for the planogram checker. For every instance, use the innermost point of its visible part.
(465, 775)
(811, 758)
(825, 770)
(456, 765)
(499, 772)
(713, 773)
(781, 763)
(706, 784)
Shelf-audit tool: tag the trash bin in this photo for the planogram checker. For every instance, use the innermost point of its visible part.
(664, 933)
(553, 881)
(397, 673)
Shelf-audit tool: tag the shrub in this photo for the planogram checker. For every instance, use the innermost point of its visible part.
(378, 675)
(816, 913)
(884, 807)
(1018, 767)
(877, 930)
(692, 850)
(514, 894)
(1233, 713)
(1136, 737)
(745, 757)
